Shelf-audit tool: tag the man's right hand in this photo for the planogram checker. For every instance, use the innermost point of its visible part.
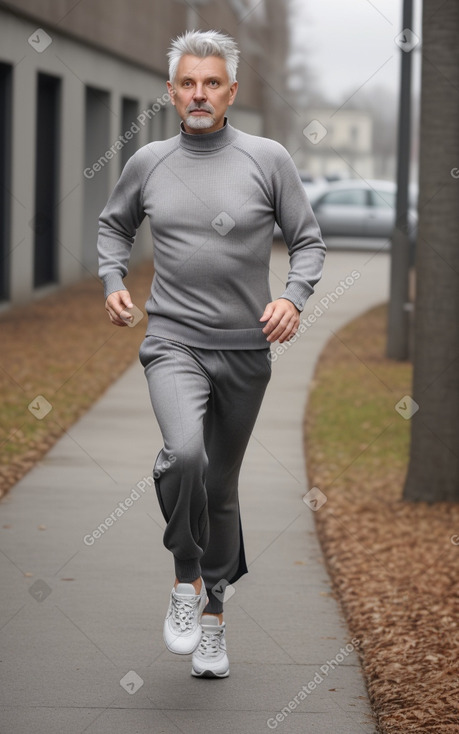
(117, 304)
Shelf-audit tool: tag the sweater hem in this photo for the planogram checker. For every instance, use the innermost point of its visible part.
(203, 337)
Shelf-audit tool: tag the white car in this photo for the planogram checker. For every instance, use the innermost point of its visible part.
(360, 214)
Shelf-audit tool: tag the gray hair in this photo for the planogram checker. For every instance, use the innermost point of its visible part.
(202, 44)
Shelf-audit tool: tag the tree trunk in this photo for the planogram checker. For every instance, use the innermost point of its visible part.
(433, 473)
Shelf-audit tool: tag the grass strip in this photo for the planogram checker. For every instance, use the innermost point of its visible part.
(394, 564)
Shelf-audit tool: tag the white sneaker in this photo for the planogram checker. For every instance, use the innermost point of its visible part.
(210, 659)
(182, 631)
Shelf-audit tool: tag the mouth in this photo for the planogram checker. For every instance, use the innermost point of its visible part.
(200, 112)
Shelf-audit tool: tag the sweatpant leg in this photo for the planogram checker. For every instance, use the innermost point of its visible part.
(239, 381)
(179, 390)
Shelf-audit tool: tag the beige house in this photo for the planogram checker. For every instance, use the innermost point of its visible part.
(337, 143)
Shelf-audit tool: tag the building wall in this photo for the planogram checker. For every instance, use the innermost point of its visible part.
(139, 31)
(108, 105)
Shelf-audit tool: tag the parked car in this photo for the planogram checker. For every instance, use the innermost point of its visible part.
(358, 214)
(361, 214)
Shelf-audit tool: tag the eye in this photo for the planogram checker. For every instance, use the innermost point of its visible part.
(214, 83)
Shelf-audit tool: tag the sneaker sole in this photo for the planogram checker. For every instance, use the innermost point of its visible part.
(209, 674)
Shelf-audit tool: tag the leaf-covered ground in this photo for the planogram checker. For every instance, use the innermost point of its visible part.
(64, 348)
(394, 564)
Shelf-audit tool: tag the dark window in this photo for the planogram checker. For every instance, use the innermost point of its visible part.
(96, 170)
(5, 178)
(130, 128)
(45, 221)
(157, 122)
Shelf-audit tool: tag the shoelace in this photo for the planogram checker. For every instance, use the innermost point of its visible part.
(210, 643)
(183, 611)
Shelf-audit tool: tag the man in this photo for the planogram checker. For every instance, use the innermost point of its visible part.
(212, 195)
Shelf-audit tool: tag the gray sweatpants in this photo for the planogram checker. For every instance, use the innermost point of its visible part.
(206, 402)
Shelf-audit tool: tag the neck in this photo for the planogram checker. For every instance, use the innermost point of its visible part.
(207, 141)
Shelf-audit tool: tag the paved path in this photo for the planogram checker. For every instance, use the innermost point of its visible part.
(76, 619)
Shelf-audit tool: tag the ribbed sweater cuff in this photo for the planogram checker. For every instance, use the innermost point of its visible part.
(112, 282)
(298, 294)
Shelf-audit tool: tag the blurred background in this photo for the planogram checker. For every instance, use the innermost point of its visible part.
(82, 86)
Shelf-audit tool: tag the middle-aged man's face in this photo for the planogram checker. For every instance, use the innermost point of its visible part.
(202, 93)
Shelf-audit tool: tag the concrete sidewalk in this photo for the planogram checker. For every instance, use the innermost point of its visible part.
(81, 621)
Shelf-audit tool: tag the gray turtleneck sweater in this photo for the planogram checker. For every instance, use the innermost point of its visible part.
(212, 200)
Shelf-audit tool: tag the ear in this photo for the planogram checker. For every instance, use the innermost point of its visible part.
(233, 92)
(171, 91)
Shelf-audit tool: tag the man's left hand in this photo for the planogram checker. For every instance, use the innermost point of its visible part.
(282, 318)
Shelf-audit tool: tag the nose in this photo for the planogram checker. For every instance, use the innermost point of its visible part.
(199, 92)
